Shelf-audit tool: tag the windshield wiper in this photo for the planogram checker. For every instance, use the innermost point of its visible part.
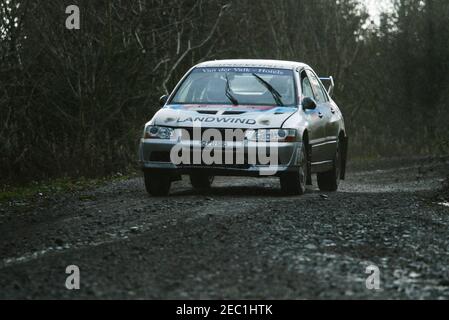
(276, 95)
(229, 95)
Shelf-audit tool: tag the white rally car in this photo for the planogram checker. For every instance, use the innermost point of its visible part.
(246, 118)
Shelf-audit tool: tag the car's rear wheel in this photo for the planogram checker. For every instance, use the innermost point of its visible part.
(294, 183)
(330, 180)
(157, 183)
(201, 182)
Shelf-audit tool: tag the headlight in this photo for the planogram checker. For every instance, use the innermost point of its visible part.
(154, 132)
(273, 135)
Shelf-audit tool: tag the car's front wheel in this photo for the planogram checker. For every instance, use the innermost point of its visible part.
(294, 183)
(201, 182)
(157, 183)
(330, 180)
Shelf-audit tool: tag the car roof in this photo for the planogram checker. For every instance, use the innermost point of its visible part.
(276, 64)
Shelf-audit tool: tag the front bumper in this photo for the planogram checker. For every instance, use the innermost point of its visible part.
(155, 155)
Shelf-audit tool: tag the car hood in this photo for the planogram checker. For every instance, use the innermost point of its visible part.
(243, 117)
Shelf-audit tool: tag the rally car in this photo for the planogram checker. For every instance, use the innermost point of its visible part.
(252, 118)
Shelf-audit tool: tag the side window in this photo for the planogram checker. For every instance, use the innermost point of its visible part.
(321, 96)
(306, 86)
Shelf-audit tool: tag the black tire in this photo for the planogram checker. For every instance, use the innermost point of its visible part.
(330, 180)
(201, 182)
(157, 183)
(294, 183)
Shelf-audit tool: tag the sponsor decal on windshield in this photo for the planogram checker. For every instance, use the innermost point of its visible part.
(269, 71)
(273, 109)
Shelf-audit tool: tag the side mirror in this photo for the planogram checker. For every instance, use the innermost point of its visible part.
(308, 104)
(163, 100)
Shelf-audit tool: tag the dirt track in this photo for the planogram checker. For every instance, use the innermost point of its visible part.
(241, 240)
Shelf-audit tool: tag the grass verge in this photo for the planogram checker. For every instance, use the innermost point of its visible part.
(54, 187)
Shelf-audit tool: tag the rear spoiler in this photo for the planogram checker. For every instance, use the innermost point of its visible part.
(330, 90)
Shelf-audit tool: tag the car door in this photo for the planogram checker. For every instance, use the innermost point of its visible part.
(317, 124)
(327, 144)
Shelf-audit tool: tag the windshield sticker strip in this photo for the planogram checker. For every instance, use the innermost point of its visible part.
(272, 109)
(279, 72)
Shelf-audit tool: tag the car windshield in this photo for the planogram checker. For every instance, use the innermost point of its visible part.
(237, 86)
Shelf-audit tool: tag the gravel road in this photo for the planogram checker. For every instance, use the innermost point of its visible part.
(242, 240)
